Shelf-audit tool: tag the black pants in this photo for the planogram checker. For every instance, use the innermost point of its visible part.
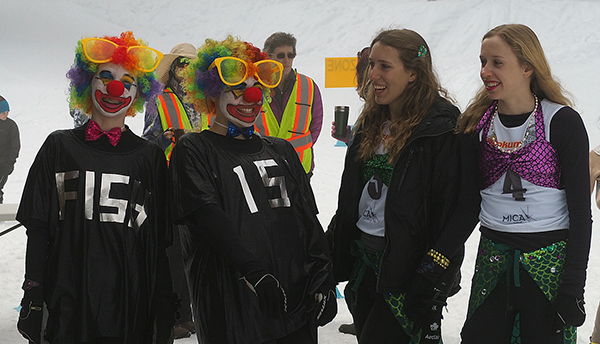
(3, 179)
(106, 340)
(493, 321)
(306, 334)
(180, 283)
(373, 318)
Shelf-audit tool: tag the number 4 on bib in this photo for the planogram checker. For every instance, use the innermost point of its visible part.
(512, 184)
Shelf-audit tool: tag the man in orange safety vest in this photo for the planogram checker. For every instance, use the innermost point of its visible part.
(296, 110)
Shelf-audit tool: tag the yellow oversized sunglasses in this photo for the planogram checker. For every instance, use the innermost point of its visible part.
(100, 50)
(234, 71)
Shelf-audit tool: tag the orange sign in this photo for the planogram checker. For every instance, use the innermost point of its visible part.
(340, 72)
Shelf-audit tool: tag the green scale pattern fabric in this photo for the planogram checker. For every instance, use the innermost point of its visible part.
(543, 265)
(396, 303)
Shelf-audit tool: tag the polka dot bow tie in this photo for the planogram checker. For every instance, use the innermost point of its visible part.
(93, 133)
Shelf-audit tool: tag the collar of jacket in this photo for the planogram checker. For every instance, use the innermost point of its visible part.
(440, 119)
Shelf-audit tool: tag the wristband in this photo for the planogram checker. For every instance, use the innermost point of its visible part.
(439, 258)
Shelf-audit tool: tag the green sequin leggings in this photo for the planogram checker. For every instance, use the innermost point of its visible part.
(514, 277)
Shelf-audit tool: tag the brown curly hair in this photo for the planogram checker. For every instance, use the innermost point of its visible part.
(417, 98)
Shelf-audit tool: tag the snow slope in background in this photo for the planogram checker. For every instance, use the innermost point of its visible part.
(38, 41)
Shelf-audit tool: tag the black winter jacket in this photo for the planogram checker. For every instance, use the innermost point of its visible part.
(10, 145)
(432, 180)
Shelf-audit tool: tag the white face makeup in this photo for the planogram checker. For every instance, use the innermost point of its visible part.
(241, 104)
(113, 90)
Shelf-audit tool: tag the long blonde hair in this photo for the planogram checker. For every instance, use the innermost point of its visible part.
(417, 98)
(526, 46)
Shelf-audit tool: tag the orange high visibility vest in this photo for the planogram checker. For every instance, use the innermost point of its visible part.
(173, 115)
(295, 122)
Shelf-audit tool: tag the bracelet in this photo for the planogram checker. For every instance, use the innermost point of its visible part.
(439, 258)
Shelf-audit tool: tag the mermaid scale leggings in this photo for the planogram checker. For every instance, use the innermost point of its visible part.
(543, 265)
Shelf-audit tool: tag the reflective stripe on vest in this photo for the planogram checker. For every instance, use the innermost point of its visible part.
(295, 122)
(172, 114)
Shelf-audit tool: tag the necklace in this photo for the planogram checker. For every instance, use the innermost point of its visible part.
(221, 125)
(494, 139)
(234, 131)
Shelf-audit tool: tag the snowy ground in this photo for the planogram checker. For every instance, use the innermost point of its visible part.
(38, 40)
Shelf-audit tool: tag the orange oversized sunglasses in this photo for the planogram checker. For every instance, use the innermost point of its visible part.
(100, 50)
(234, 71)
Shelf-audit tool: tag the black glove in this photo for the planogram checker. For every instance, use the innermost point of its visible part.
(422, 289)
(423, 302)
(271, 296)
(30, 317)
(569, 310)
(428, 326)
(423, 305)
(324, 308)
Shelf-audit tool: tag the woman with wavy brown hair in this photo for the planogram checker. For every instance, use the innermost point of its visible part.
(394, 238)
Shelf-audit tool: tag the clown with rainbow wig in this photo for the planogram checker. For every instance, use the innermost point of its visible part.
(239, 71)
(94, 208)
(126, 52)
(255, 253)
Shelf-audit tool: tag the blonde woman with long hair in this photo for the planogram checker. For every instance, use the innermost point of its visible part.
(535, 210)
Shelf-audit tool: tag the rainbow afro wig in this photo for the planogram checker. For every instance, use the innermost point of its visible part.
(82, 71)
(202, 83)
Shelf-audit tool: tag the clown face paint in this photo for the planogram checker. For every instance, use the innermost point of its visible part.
(113, 90)
(241, 104)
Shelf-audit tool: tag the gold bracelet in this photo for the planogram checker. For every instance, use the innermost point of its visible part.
(439, 258)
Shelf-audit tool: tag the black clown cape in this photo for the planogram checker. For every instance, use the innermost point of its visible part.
(106, 273)
(267, 196)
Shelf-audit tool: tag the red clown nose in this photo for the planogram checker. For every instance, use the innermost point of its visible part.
(115, 88)
(252, 95)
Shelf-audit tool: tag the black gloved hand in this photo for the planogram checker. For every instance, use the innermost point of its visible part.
(30, 317)
(569, 310)
(423, 306)
(271, 296)
(418, 295)
(324, 308)
(422, 289)
(423, 302)
(430, 324)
